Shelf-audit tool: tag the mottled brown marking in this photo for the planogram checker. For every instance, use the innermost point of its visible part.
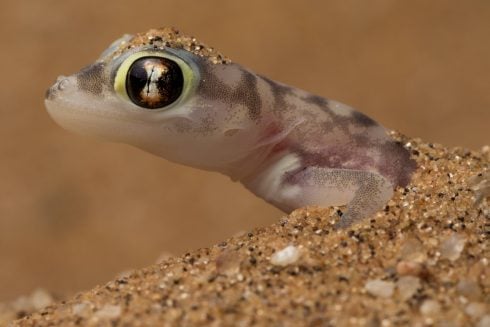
(396, 163)
(49, 94)
(246, 93)
(363, 119)
(335, 156)
(316, 100)
(91, 79)
(279, 91)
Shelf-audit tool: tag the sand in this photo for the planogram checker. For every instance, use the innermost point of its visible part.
(422, 261)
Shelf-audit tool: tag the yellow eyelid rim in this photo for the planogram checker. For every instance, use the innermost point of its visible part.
(122, 71)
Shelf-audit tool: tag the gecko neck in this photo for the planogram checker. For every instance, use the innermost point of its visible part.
(277, 126)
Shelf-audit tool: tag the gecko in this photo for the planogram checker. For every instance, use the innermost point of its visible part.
(173, 96)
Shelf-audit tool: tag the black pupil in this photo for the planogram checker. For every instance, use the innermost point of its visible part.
(154, 82)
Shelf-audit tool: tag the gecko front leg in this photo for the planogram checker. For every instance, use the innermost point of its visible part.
(289, 185)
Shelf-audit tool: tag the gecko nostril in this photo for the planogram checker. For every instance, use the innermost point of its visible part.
(62, 83)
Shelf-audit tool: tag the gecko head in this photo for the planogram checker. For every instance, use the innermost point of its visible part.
(163, 92)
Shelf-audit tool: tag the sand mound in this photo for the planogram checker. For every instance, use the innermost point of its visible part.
(423, 260)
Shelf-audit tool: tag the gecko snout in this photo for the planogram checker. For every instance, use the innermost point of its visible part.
(61, 84)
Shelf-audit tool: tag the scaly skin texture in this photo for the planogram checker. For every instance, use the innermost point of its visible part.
(287, 146)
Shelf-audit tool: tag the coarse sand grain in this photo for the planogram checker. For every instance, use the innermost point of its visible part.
(422, 261)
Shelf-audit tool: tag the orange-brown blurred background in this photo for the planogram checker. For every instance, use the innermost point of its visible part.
(75, 211)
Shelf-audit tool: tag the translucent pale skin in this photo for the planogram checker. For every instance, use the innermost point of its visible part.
(287, 146)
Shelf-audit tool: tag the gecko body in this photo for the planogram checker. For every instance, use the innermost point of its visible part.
(170, 95)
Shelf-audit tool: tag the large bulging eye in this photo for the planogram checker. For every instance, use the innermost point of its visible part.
(154, 82)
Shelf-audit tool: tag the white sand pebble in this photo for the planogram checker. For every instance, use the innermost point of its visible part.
(475, 309)
(430, 308)
(484, 322)
(289, 255)
(40, 299)
(469, 289)
(108, 311)
(228, 263)
(81, 309)
(407, 286)
(452, 247)
(380, 288)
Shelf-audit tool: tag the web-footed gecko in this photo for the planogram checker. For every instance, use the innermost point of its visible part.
(173, 96)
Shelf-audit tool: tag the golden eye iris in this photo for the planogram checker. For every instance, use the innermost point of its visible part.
(154, 82)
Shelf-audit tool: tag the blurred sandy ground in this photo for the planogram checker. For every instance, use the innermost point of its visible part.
(74, 211)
